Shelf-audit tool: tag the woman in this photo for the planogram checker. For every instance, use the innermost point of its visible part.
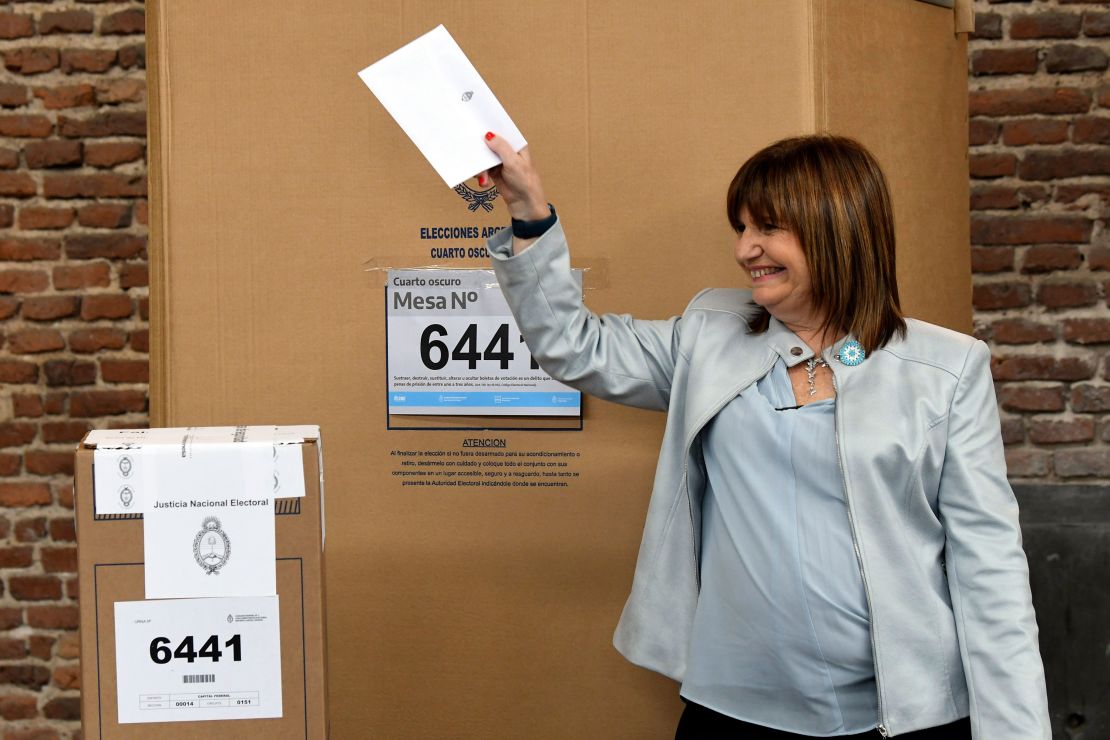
(831, 548)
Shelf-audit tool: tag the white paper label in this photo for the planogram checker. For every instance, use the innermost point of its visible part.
(198, 659)
(453, 347)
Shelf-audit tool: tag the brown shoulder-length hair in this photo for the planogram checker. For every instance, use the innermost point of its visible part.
(831, 193)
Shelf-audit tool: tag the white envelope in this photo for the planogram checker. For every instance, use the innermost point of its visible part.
(437, 97)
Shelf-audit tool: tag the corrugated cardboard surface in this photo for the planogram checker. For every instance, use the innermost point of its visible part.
(110, 568)
(470, 613)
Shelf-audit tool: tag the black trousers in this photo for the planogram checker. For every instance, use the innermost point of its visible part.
(701, 723)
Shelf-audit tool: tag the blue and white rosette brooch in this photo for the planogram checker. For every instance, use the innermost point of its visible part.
(851, 353)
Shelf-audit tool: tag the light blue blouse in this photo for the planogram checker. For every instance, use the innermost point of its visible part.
(781, 632)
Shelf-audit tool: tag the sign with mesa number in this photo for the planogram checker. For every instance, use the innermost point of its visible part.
(186, 660)
(453, 348)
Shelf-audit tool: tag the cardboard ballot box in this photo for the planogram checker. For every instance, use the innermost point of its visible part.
(112, 567)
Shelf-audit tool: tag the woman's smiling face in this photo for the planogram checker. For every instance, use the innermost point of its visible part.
(773, 257)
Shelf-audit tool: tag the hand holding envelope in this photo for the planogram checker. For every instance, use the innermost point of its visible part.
(437, 97)
(517, 180)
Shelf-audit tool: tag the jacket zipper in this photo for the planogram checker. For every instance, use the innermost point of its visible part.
(855, 544)
(686, 456)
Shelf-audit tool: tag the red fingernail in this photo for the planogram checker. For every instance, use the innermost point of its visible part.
(481, 180)
(489, 136)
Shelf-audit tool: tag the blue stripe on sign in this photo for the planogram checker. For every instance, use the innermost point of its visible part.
(532, 399)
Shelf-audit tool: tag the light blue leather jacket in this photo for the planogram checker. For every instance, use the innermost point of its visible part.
(934, 519)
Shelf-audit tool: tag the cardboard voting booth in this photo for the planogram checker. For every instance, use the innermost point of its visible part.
(478, 562)
(201, 564)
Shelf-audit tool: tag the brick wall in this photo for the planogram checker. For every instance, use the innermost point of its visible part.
(73, 307)
(73, 279)
(1040, 196)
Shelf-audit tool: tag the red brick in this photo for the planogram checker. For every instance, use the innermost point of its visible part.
(85, 341)
(22, 495)
(99, 185)
(112, 306)
(26, 405)
(1104, 96)
(53, 617)
(34, 732)
(992, 259)
(987, 26)
(1087, 331)
(1025, 101)
(110, 154)
(1082, 463)
(107, 246)
(1026, 463)
(8, 306)
(69, 372)
(1096, 24)
(66, 21)
(133, 275)
(1004, 197)
(59, 559)
(66, 677)
(31, 676)
(9, 465)
(10, 618)
(50, 308)
(63, 708)
(1064, 58)
(1086, 398)
(32, 529)
(105, 215)
(141, 213)
(126, 90)
(13, 95)
(88, 275)
(125, 371)
(1091, 129)
(1041, 367)
(1029, 229)
(34, 218)
(982, 131)
(27, 250)
(87, 60)
(54, 403)
(63, 529)
(1061, 432)
(35, 588)
(9, 160)
(54, 153)
(1053, 165)
(1072, 193)
(1067, 295)
(144, 308)
(19, 706)
(16, 372)
(32, 341)
(1034, 131)
(992, 296)
(87, 404)
(16, 26)
(63, 431)
(124, 22)
(133, 56)
(11, 649)
(69, 646)
(1045, 25)
(63, 494)
(1004, 61)
(1021, 331)
(1015, 397)
(140, 340)
(1050, 257)
(67, 96)
(992, 165)
(17, 185)
(113, 123)
(31, 60)
(16, 557)
(23, 281)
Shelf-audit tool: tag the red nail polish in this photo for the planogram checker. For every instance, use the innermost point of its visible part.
(481, 181)
(489, 136)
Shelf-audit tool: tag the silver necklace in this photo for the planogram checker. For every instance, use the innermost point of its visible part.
(811, 373)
